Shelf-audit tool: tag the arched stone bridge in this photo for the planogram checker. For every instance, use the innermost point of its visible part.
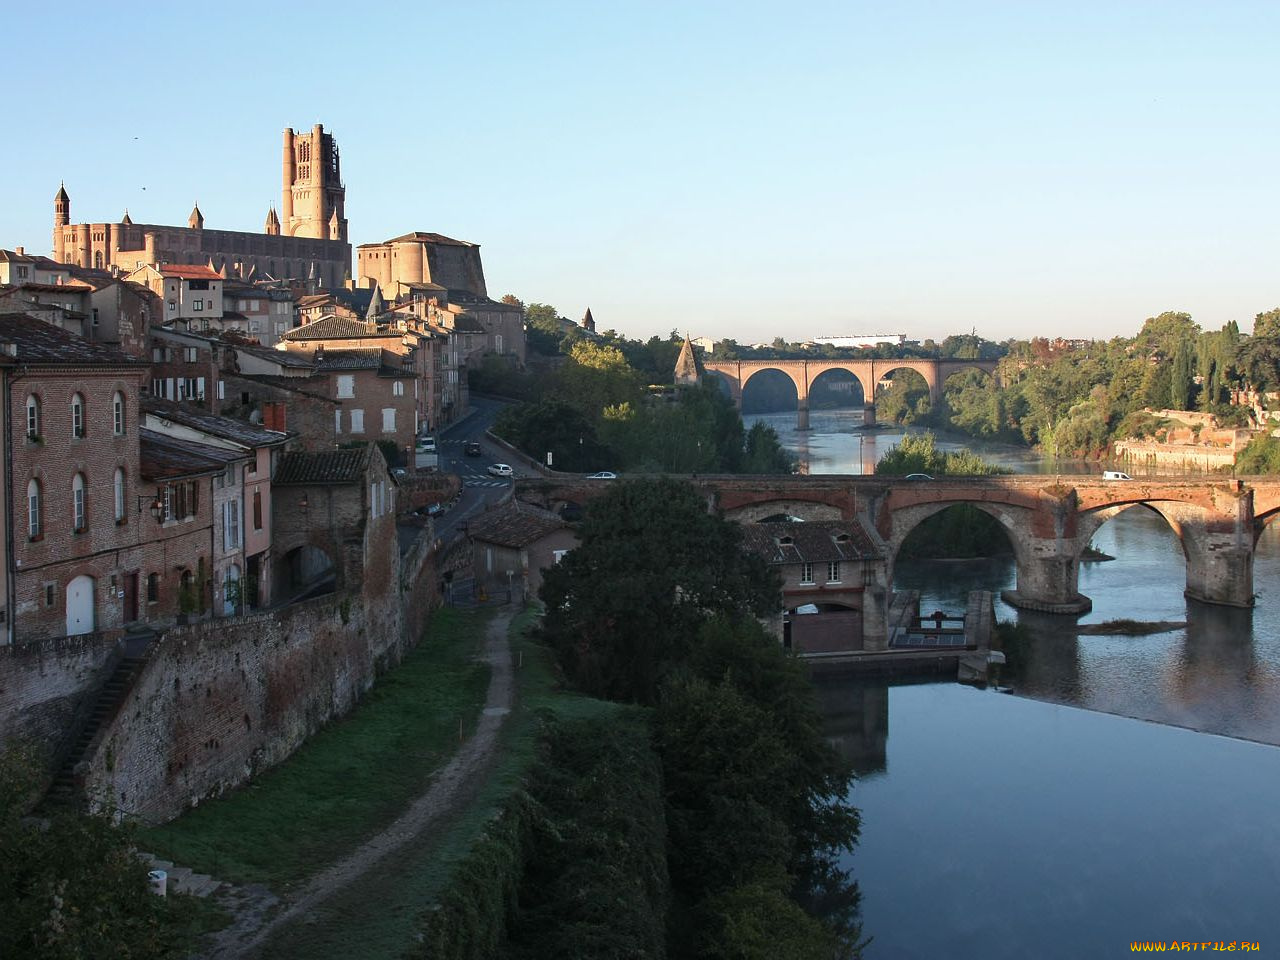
(1049, 520)
(868, 373)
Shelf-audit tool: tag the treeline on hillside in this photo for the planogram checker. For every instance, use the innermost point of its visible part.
(592, 410)
(1073, 399)
(656, 607)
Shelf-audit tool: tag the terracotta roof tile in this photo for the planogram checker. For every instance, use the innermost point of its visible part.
(812, 542)
(323, 467)
(168, 458)
(333, 328)
(189, 272)
(38, 342)
(227, 428)
(513, 524)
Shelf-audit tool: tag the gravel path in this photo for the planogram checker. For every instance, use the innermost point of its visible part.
(447, 793)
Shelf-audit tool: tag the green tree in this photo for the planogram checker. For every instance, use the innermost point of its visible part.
(1180, 383)
(651, 564)
(1267, 324)
(597, 376)
(71, 886)
(1162, 334)
(553, 426)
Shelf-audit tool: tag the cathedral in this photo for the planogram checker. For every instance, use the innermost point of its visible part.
(307, 239)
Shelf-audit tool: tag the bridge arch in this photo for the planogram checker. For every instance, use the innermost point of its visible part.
(1012, 520)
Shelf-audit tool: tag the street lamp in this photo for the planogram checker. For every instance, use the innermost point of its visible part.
(156, 506)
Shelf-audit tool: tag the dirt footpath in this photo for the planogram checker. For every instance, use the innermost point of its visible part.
(446, 795)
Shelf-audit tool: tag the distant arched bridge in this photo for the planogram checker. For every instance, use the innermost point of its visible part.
(1049, 520)
(868, 373)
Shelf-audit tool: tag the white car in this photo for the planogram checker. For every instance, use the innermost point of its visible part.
(603, 475)
(500, 470)
(427, 444)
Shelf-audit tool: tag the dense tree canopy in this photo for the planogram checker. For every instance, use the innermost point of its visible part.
(71, 886)
(656, 606)
(651, 565)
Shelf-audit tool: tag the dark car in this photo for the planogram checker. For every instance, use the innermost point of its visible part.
(471, 448)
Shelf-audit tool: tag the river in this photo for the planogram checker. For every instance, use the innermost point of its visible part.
(1124, 789)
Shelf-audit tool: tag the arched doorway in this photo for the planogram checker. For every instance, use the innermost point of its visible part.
(80, 606)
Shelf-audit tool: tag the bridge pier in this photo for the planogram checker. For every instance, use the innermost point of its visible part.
(1219, 568)
(1049, 584)
(869, 414)
(802, 414)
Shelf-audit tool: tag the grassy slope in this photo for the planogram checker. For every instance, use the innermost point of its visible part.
(376, 918)
(351, 779)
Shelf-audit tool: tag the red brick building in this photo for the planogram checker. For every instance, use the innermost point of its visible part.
(80, 529)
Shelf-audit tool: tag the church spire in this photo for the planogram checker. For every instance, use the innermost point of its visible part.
(126, 220)
(688, 367)
(272, 227)
(376, 306)
(196, 220)
(588, 321)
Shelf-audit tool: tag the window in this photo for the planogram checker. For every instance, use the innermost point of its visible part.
(50, 594)
(117, 414)
(231, 525)
(257, 509)
(77, 503)
(346, 385)
(77, 417)
(33, 417)
(337, 421)
(833, 571)
(173, 305)
(559, 555)
(33, 509)
(397, 389)
(191, 354)
(388, 420)
(118, 487)
(806, 573)
(197, 304)
(153, 588)
(357, 421)
(222, 392)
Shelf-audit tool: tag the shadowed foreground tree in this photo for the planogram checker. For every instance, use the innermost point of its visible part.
(656, 605)
(652, 564)
(70, 885)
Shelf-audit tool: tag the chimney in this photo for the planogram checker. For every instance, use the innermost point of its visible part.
(20, 251)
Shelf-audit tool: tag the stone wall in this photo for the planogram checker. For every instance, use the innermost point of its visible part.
(219, 702)
(42, 685)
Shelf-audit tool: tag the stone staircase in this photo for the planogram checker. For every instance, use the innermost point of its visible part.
(66, 786)
(182, 879)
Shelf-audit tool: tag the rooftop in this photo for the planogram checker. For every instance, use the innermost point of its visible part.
(812, 542)
(513, 524)
(35, 341)
(323, 467)
(334, 328)
(189, 272)
(168, 458)
(227, 428)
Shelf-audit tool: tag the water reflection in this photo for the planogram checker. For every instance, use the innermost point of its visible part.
(1021, 828)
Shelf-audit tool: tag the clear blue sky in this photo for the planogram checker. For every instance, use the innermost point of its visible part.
(731, 169)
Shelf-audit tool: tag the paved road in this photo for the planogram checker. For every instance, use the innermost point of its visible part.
(478, 487)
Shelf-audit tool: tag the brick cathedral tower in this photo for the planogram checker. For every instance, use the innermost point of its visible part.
(313, 195)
